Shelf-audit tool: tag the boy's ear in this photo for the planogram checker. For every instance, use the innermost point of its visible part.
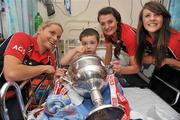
(97, 46)
(98, 43)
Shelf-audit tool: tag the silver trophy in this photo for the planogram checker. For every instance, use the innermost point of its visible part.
(88, 77)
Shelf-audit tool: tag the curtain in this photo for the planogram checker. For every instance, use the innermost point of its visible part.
(20, 15)
(174, 9)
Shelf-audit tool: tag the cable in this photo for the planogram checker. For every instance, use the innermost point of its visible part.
(109, 2)
(131, 22)
(141, 3)
(168, 5)
(87, 6)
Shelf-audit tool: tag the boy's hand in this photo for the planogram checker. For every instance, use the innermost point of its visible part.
(80, 49)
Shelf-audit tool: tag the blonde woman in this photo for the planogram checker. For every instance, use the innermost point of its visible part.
(27, 56)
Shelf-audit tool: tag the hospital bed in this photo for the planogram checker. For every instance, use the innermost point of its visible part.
(146, 103)
(33, 101)
(160, 100)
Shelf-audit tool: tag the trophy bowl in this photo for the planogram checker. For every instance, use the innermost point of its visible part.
(88, 77)
(87, 72)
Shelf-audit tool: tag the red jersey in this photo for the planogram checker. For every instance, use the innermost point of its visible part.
(128, 36)
(174, 43)
(23, 45)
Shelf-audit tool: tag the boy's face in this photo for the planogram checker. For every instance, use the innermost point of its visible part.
(91, 44)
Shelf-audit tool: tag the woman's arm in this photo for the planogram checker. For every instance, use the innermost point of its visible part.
(132, 68)
(14, 70)
(171, 62)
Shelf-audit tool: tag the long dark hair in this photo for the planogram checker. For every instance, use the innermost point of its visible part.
(116, 14)
(161, 38)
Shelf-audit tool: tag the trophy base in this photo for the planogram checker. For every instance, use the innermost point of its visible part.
(106, 112)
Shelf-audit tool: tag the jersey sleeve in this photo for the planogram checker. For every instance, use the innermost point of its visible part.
(174, 44)
(18, 45)
(129, 38)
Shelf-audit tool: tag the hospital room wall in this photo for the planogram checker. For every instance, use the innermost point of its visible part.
(84, 14)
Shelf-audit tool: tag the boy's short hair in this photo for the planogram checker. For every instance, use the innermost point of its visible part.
(89, 32)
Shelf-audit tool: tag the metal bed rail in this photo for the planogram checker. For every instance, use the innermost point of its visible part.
(24, 108)
(3, 108)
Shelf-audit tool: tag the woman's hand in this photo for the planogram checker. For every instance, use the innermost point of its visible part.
(148, 59)
(60, 72)
(49, 69)
(132, 68)
(116, 66)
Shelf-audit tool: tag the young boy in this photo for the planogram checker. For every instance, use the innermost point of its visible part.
(89, 41)
(65, 103)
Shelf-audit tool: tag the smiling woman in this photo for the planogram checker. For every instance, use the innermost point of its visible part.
(152, 21)
(158, 43)
(119, 35)
(28, 56)
(48, 35)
